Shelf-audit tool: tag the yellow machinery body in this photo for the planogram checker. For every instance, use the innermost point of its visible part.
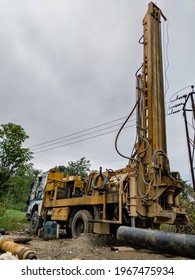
(144, 194)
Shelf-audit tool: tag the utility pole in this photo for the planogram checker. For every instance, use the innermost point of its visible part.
(189, 112)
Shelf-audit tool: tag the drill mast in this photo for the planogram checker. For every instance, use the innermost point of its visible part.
(151, 111)
(154, 180)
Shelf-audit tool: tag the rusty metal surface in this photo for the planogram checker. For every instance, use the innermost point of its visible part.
(8, 245)
(158, 241)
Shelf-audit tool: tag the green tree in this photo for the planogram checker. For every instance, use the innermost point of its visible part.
(187, 200)
(14, 159)
(80, 167)
(19, 190)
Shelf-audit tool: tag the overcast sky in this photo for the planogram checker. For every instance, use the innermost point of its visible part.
(69, 65)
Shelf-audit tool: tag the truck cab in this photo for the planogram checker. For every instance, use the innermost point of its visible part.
(35, 202)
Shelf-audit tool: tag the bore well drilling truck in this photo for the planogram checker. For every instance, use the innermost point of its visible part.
(143, 194)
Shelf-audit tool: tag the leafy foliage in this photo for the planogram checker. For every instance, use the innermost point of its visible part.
(187, 201)
(19, 190)
(80, 167)
(187, 193)
(14, 159)
(16, 173)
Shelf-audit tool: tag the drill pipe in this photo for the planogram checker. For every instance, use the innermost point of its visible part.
(24, 253)
(162, 242)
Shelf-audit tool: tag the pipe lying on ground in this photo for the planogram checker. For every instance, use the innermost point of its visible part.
(23, 253)
(162, 242)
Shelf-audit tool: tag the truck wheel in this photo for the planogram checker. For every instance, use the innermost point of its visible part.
(35, 223)
(81, 223)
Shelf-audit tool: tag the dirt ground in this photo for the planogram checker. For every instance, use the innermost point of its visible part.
(88, 247)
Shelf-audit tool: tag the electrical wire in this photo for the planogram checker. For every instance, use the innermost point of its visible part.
(73, 138)
(178, 92)
(76, 133)
(81, 140)
(171, 108)
(88, 129)
(38, 148)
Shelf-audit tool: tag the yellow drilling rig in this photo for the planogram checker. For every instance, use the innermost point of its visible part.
(133, 201)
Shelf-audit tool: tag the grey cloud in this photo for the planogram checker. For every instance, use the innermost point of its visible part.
(69, 65)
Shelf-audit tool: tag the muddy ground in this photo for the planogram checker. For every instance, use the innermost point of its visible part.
(88, 247)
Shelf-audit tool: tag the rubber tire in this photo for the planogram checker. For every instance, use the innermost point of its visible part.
(35, 223)
(81, 223)
(103, 185)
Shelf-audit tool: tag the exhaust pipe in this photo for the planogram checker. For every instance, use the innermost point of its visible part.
(162, 242)
(23, 253)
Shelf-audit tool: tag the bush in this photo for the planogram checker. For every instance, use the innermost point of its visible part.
(11, 219)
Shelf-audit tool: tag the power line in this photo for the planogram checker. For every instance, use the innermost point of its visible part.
(171, 100)
(76, 133)
(82, 140)
(78, 141)
(171, 108)
(73, 138)
(38, 148)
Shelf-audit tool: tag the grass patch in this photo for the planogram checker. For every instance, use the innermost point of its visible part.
(168, 228)
(13, 220)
